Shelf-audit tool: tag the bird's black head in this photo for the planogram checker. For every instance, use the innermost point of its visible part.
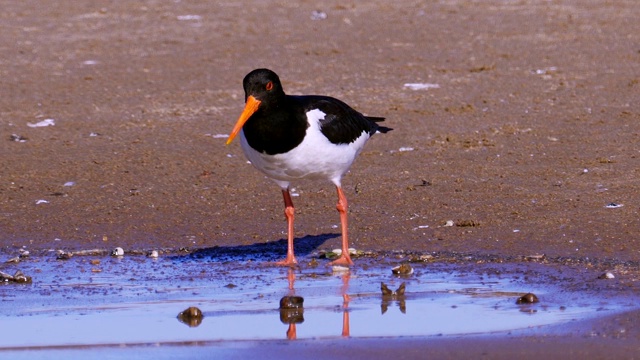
(262, 84)
(262, 94)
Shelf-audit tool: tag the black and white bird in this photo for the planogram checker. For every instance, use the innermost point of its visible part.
(290, 138)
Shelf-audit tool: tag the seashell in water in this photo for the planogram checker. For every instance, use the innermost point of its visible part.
(528, 298)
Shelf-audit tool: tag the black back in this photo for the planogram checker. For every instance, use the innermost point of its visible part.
(280, 123)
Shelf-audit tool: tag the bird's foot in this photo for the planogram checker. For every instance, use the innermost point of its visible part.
(289, 261)
(343, 260)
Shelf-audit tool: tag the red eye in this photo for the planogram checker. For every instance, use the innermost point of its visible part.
(269, 86)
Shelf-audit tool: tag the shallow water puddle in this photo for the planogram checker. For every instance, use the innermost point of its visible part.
(135, 300)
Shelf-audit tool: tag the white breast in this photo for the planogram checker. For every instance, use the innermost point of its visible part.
(316, 158)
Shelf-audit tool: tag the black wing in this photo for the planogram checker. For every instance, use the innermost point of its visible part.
(342, 124)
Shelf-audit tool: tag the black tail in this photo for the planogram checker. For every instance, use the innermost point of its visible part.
(382, 129)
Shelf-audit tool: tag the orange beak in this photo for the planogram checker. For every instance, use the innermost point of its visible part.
(249, 108)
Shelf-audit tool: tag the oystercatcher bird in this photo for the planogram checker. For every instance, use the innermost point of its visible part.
(290, 138)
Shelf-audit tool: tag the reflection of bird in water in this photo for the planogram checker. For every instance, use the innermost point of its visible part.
(290, 138)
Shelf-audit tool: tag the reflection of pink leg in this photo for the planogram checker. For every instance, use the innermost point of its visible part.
(345, 305)
(345, 286)
(291, 277)
(345, 319)
(291, 332)
(288, 212)
(342, 207)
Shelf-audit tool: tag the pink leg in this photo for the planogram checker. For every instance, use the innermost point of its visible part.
(288, 212)
(342, 206)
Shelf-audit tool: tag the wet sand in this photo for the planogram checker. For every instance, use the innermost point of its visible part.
(525, 137)
(407, 348)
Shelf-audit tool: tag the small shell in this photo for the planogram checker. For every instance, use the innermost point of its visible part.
(339, 269)
(192, 316)
(614, 205)
(13, 260)
(63, 255)
(291, 302)
(528, 298)
(21, 278)
(337, 252)
(404, 269)
(607, 275)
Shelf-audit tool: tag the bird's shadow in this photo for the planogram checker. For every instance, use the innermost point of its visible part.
(269, 251)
